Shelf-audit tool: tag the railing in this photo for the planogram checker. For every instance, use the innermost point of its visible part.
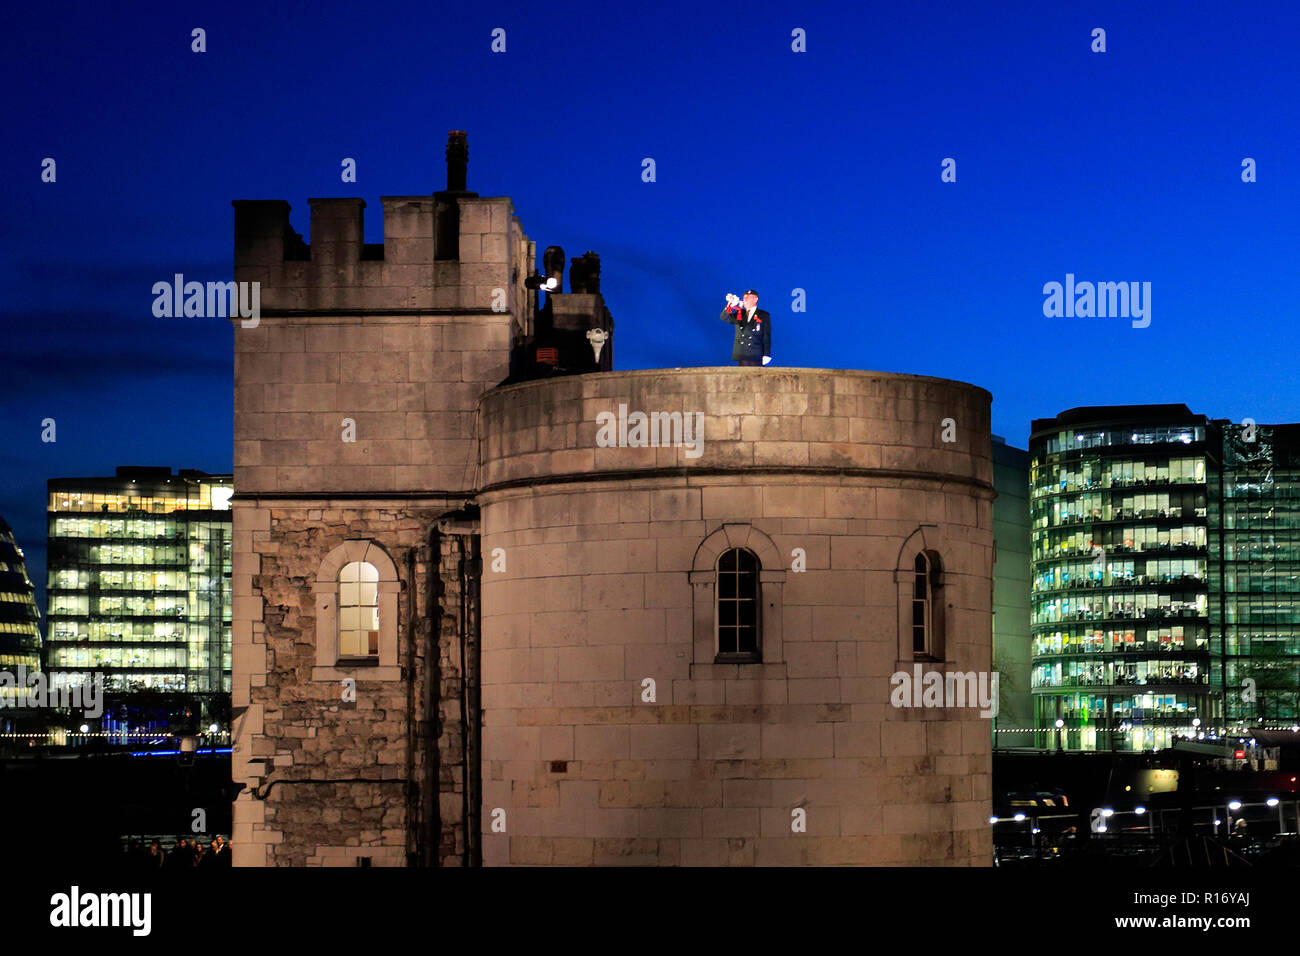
(1149, 614)
(1201, 680)
(1059, 553)
(1136, 648)
(1027, 835)
(1145, 581)
(1074, 487)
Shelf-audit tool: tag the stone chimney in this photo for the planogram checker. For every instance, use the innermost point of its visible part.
(575, 328)
(457, 160)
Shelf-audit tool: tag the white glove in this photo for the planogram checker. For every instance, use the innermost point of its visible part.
(733, 299)
(766, 359)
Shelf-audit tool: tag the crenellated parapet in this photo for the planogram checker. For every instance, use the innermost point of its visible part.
(443, 251)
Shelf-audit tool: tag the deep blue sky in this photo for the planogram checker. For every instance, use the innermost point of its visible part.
(775, 170)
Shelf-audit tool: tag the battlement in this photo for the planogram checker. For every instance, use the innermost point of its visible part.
(451, 250)
(440, 251)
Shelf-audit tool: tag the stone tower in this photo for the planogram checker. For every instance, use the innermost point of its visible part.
(475, 625)
(356, 453)
(622, 723)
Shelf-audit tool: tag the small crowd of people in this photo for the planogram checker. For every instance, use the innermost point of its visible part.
(184, 854)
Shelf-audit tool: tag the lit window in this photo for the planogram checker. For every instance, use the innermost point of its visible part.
(356, 591)
(359, 610)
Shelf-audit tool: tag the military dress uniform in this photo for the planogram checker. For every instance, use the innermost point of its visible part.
(753, 333)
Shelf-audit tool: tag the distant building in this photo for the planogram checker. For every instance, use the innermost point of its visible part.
(139, 582)
(1012, 651)
(20, 635)
(1166, 593)
(1122, 648)
(1256, 609)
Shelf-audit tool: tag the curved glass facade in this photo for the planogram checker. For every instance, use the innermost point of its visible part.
(1120, 603)
(20, 634)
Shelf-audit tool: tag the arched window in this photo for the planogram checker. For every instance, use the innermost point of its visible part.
(921, 606)
(739, 607)
(736, 583)
(356, 589)
(927, 606)
(358, 610)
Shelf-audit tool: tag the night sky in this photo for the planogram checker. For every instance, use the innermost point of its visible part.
(776, 170)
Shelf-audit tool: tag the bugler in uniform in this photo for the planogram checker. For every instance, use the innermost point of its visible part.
(753, 342)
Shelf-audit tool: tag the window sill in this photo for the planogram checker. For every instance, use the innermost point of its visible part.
(365, 672)
(738, 659)
(927, 662)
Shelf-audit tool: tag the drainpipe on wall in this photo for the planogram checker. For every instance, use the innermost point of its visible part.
(462, 524)
(462, 572)
(474, 730)
(411, 672)
(431, 819)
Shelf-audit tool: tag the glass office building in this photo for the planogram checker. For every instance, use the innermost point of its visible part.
(1122, 500)
(1257, 607)
(139, 582)
(20, 635)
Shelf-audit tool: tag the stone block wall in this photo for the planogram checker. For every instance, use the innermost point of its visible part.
(336, 271)
(398, 349)
(330, 779)
(407, 387)
(598, 576)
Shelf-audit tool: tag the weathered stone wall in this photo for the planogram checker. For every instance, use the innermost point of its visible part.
(401, 343)
(377, 747)
(607, 581)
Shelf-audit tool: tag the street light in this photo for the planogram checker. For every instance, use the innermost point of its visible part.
(1233, 805)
